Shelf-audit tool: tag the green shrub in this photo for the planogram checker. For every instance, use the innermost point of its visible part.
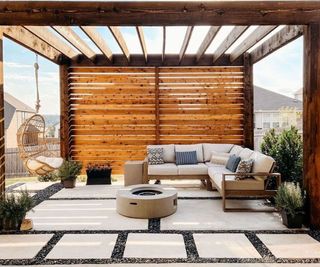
(69, 170)
(13, 209)
(286, 148)
(50, 177)
(290, 198)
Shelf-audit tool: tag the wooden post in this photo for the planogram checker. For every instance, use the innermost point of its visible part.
(311, 121)
(248, 126)
(157, 105)
(2, 133)
(64, 114)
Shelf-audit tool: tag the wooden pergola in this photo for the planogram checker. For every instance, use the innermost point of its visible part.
(119, 93)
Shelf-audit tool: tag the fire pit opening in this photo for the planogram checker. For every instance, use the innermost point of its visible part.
(146, 192)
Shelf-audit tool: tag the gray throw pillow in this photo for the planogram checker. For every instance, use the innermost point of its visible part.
(244, 166)
(233, 162)
(155, 156)
(188, 157)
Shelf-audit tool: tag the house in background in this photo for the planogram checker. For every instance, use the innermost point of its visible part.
(15, 113)
(273, 110)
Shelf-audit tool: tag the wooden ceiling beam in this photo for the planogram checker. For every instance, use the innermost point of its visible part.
(142, 41)
(74, 39)
(185, 43)
(155, 13)
(49, 37)
(275, 42)
(97, 39)
(213, 30)
(250, 41)
(120, 40)
(30, 41)
(232, 37)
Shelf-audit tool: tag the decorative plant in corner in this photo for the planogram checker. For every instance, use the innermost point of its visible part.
(290, 201)
(13, 209)
(98, 174)
(68, 173)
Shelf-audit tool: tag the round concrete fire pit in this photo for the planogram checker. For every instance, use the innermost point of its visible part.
(147, 201)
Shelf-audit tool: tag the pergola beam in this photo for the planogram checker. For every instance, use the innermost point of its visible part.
(250, 41)
(280, 39)
(47, 36)
(151, 13)
(142, 42)
(25, 38)
(185, 43)
(120, 40)
(163, 43)
(96, 38)
(213, 30)
(232, 37)
(75, 40)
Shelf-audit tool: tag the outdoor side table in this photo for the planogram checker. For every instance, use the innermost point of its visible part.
(133, 172)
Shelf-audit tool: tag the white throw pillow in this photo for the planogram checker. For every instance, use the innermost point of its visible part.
(219, 158)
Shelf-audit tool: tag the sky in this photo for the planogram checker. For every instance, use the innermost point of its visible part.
(280, 72)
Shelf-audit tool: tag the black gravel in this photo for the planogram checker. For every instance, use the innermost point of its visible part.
(46, 193)
(10, 188)
(154, 225)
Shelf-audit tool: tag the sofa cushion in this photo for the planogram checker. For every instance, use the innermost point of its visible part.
(235, 150)
(245, 153)
(219, 158)
(194, 169)
(233, 162)
(163, 169)
(232, 184)
(168, 152)
(262, 163)
(155, 155)
(208, 148)
(186, 157)
(197, 148)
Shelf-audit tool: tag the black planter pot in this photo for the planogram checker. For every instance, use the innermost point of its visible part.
(96, 176)
(9, 225)
(292, 221)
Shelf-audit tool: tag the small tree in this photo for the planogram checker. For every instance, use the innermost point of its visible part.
(286, 149)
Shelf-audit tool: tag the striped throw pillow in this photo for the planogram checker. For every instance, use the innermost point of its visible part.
(188, 157)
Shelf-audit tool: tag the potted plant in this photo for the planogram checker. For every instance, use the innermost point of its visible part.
(98, 174)
(68, 173)
(290, 201)
(13, 209)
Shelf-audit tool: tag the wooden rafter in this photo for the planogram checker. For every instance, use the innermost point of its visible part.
(47, 36)
(96, 38)
(280, 39)
(228, 41)
(185, 43)
(142, 42)
(207, 41)
(120, 40)
(152, 13)
(27, 39)
(75, 40)
(163, 43)
(250, 41)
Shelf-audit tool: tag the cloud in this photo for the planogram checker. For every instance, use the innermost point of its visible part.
(17, 65)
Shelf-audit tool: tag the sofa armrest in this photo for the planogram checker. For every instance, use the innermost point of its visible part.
(145, 171)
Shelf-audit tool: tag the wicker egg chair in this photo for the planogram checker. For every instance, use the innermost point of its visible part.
(33, 147)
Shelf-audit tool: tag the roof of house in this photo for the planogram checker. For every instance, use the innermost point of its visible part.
(268, 100)
(17, 104)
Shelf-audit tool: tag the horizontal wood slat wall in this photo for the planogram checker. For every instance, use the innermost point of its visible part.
(114, 114)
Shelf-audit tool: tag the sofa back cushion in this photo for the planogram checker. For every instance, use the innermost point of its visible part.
(168, 152)
(186, 158)
(209, 148)
(233, 163)
(197, 148)
(262, 163)
(219, 158)
(245, 153)
(236, 150)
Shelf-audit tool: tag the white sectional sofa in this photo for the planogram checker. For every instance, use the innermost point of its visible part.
(216, 175)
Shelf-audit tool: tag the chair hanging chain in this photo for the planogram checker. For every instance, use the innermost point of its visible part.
(36, 70)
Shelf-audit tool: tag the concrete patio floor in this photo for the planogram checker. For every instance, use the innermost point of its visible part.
(81, 226)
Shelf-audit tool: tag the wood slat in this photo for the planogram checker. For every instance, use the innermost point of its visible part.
(213, 30)
(142, 42)
(120, 40)
(185, 43)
